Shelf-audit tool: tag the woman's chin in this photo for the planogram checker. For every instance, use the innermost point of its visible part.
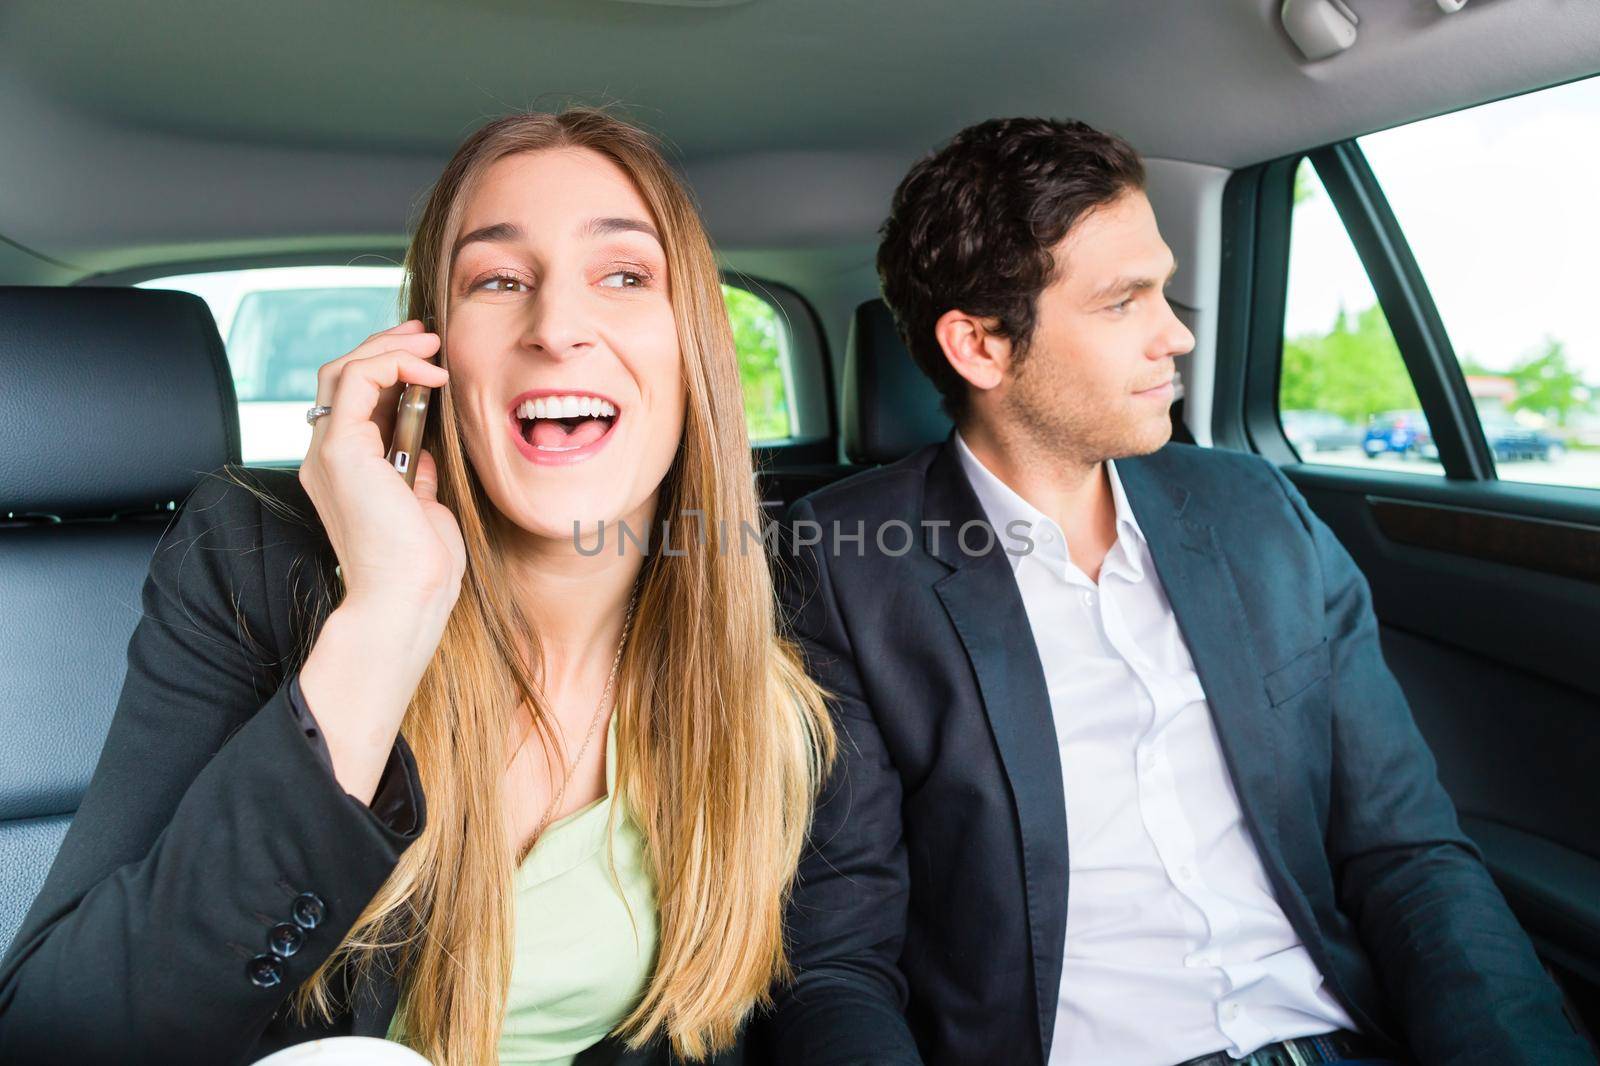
(574, 529)
(585, 524)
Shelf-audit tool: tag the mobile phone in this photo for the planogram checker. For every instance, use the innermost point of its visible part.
(410, 417)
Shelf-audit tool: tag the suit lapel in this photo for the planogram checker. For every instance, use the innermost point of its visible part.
(985, 607)
(1210, 613)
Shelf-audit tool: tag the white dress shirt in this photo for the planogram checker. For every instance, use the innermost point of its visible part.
(1176, 946)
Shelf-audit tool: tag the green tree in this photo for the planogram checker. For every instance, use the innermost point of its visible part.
(1548, 384)
(758, 341)
(1305, 183)
(1354, 370)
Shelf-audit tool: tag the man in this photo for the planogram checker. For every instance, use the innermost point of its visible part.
(1128, 781)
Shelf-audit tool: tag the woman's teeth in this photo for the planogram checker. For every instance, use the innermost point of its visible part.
(565, 423)
(574, 406)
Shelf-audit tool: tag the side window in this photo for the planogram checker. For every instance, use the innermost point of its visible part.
(279, 324)
(1499, 207)
(1344, 395)
(761, 338)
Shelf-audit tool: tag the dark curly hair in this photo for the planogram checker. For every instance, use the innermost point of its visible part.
(973, 224)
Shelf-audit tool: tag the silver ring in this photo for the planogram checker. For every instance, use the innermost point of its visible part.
(314, 413)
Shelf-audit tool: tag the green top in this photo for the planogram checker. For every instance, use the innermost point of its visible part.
(584, 952)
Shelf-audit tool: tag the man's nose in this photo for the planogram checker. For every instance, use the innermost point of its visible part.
(1176, 338)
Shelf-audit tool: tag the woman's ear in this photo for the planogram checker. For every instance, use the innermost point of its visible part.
(974, 347)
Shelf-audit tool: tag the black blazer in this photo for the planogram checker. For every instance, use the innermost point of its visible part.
(929, 920)
(208, 817)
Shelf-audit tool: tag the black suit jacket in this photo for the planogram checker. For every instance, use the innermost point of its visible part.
(208, 814)
(929, 920)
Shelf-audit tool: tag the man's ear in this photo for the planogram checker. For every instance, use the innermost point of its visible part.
(974, 347)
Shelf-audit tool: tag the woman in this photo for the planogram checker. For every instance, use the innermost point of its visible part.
(517, 782)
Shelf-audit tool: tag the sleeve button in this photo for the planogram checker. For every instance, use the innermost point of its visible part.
(265, 971)
(284, 939)
(308, 910)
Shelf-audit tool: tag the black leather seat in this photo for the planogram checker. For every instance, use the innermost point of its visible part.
(115, 402)
(890, 409)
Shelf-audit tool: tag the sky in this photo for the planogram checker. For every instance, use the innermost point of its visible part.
(1501, 207)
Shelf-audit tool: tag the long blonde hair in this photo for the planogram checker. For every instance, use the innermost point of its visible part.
(722, 739)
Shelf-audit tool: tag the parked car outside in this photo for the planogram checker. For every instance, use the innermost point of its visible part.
(1320, 431)
(1402, 433)
(1510, 440)
(278, 340)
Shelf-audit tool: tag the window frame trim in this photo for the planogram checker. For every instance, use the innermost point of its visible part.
(1408, 304)
(1258, 223)
(813, 399)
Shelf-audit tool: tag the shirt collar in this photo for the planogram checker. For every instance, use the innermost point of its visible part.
(1002, 505)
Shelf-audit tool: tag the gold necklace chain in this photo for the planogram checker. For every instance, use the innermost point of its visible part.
(594, 723)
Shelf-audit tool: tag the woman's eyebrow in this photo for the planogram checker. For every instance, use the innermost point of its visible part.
(499, 233)
(507, 232)
(604, 227)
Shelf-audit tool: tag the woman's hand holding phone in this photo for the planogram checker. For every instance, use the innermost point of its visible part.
(400, 553)
(394, 541)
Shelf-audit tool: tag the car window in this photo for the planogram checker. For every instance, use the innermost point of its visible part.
(1344, 394)
(279, 324)
(761, 337)
(1498, 205)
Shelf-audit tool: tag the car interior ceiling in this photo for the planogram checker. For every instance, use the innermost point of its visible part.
(134, 152)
